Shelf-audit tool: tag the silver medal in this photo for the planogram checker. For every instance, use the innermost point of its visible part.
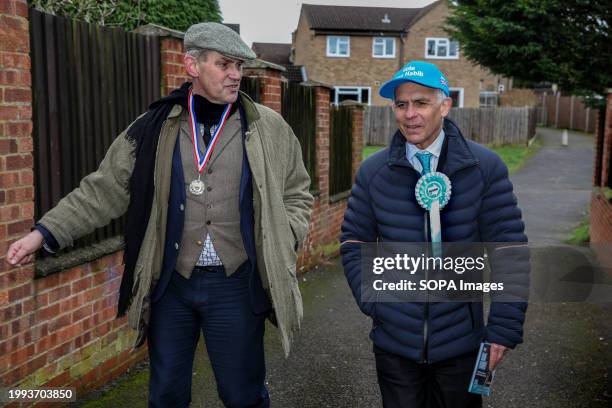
(196, 187)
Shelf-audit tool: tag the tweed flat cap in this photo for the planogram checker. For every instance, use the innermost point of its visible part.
(217, 37)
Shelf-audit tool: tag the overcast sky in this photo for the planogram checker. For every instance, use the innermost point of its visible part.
(274, 20)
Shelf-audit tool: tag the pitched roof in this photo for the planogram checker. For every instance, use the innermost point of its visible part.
(272, 52)
(353, 18)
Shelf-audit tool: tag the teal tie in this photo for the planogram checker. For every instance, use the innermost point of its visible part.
(425, 160)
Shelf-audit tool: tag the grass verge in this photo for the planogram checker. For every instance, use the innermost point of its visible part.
(580, 235)
(515, 156)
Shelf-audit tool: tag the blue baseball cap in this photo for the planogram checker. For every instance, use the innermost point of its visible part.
(419, 72)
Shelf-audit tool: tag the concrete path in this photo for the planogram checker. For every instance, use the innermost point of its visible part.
(566, 355)
(554, 187)
(561, 364)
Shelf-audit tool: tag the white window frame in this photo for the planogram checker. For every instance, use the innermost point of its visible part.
(384, 42)
(336, 54)
(440, 40)
(460, 95)
(357, 91)
(488, 94)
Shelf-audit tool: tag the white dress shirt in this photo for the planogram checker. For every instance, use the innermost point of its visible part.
(435, 149)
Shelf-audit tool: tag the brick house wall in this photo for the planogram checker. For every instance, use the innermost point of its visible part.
(361, 69)
(460, 72)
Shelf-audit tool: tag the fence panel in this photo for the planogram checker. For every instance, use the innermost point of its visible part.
(298, 108)
(340, 150)
(568, 112)
(251, 86)
(379, 123)
(89, 83)
(493, 126)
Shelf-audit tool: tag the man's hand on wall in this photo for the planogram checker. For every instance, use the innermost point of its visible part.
(22, 251)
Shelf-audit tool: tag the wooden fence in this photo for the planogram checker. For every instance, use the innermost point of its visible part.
(340, 150)
(492, 126)
(252, 87)
(298, 108)
(567, 112)
(89, 83)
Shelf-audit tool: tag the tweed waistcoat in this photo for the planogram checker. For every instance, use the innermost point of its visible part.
(216, 211)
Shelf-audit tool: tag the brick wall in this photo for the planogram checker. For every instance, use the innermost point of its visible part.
(601, 207)
(601, 231)
(16, 189)
(58, 330)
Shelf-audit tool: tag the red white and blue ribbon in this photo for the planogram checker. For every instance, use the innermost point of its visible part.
(202, 160)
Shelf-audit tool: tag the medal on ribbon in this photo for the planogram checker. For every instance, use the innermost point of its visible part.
(433, 192)
(196, 187)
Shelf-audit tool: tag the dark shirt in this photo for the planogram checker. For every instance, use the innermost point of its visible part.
(209, 114)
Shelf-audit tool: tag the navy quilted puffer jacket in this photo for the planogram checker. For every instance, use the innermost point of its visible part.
(482, 208)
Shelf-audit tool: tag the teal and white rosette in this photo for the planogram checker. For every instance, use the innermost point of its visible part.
(433, 192)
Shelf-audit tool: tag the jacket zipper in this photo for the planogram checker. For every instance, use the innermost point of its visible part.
(426, 306)
(428, 239)
(424, 356)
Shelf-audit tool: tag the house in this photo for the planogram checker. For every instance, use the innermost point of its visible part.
(356, 49)
(279, 54)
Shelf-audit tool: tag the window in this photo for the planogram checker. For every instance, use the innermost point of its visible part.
(488, 99)
(357, 93)
(338, 46)
(441, 48)
(383, 47)
(456, 95)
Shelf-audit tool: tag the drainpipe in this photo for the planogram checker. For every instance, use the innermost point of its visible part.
(401, 49)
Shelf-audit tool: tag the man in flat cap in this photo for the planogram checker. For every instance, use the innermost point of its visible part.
(426, 352)
(217, 201)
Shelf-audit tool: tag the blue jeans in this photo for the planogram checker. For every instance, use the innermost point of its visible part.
(220, 306)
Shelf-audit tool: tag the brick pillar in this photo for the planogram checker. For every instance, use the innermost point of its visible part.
(322, 141)
(172, 68)
(319, 231)
(269, 75)
(170, 54)
(16, 187)
(358, 113)
(271, 90)
(607, 143)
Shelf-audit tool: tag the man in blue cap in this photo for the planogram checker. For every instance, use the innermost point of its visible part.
(425, 352)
